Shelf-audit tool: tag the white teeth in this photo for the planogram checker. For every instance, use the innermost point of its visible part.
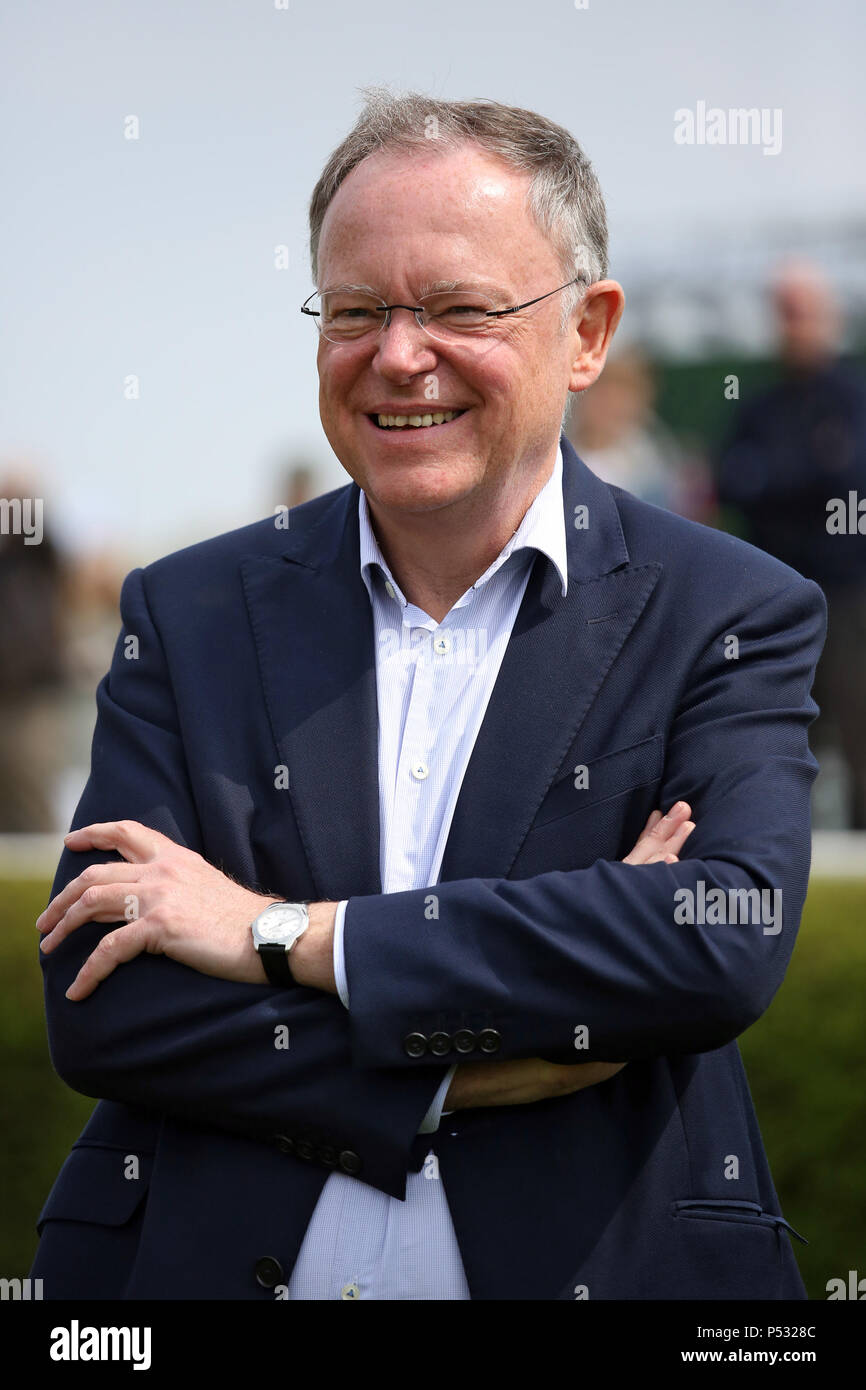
(417, 422)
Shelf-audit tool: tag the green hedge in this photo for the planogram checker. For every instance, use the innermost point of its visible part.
(804, 1058)
(691, 395)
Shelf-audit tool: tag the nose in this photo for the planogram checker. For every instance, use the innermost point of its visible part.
(402, 345)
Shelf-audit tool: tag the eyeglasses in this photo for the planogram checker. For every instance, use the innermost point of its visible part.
(348, 315)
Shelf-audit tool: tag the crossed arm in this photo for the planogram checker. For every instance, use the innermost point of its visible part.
(173, 902)
(171, 1035)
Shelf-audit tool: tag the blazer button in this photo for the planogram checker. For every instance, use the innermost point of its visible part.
(415, 1044)
(327, 1155)
(269, 1272)
(285, 1144)
(350, 1162)
(464, 1040)
(439, 1044)
(489, 1040)
(305, 1150)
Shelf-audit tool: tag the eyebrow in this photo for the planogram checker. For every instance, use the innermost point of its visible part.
(428, 287)
(438, 286)
(365, 289)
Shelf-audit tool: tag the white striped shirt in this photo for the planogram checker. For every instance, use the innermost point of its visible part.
(433, 683)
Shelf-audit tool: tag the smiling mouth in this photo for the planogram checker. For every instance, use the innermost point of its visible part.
(415, 422)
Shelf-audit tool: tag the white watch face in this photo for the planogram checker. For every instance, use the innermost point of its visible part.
(281, 922)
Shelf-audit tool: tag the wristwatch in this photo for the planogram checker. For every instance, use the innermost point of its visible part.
(275, 932)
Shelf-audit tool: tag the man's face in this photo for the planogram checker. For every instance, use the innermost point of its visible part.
(398, 224)
(807, 319)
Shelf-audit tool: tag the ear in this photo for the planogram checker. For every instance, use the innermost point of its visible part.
(595, 323)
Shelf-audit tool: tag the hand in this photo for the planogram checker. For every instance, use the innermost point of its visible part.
(171, 900)
(663, 837)
(523, 1080)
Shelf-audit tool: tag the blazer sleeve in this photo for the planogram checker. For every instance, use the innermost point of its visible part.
(604, 949)
(161, 1035)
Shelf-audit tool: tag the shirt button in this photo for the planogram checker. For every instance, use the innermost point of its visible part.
(419, 771)
(442, 644)
(350, 1291)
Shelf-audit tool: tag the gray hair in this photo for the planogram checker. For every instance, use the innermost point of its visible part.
(564, 196)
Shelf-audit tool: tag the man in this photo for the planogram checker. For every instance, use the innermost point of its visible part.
(438, 709)
(796, 457)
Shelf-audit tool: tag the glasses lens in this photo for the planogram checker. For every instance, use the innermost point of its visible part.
(346, 315)
(457, 315)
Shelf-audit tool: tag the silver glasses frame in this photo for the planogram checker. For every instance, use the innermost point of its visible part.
(418, 310)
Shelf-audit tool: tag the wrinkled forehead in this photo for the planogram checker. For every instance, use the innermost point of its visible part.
(411, 211)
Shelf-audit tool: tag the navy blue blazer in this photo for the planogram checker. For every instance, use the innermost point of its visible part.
(255, 653)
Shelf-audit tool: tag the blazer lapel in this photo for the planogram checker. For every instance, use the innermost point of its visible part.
(313, 626)
(559, 653)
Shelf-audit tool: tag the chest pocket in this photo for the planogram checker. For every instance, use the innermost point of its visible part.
(575, 826)
(610, 776)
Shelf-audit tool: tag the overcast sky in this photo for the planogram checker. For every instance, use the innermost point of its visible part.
(156, 256)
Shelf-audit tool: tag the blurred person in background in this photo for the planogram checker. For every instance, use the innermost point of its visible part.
(300, 484)
(794, 448)
(32, 659)
(618, 435)
(295, 481)
(95, 576)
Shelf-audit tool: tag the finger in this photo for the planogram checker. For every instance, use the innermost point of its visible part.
(677, 839)
(94, 874)
(668, 853)
(105, 902)
(665, 829)
(136, 842)
(115, 948)
(678, 813)
(661, 830)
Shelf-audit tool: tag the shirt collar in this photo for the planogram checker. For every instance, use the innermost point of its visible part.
(542, 529)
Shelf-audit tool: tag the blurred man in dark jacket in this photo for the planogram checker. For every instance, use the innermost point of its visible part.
(32, 660)
(797, 455)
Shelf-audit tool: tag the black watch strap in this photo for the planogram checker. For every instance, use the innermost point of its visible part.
(275, 959)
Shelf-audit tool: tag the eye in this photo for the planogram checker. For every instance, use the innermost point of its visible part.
(466, 311)
(348, 314)
(458, 310)
(349, 310)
